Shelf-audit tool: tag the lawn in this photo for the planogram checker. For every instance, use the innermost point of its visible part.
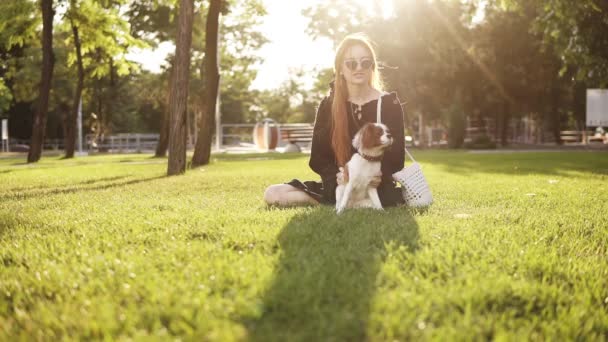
(106, 247)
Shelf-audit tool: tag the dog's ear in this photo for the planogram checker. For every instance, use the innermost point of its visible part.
(369, 136)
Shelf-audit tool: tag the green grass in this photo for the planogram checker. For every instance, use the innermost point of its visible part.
(105, 247)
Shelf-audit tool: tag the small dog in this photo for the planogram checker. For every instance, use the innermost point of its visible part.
(370, 141)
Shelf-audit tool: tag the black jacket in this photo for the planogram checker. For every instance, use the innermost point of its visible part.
(322, 157)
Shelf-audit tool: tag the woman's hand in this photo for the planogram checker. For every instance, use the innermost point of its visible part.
(376, 180)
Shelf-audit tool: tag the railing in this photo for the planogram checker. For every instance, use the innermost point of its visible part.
(232, 135)
(123, 143)
(235, 134)
(21, 145)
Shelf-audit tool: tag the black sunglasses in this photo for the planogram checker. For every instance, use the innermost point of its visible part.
(352, 64)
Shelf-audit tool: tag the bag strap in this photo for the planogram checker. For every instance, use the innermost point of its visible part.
(409, 155)
(379, 120)
(379, 109)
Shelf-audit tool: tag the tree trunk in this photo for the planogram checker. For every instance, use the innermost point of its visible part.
(579, 107)
(178, 98)
(163, 140)
(555, 96)
(504, 123)
(422, 138)
(70, 138)
(202, 150)
(48, 61)
(109, 104)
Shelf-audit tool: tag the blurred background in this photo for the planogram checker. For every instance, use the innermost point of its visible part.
(470, 73)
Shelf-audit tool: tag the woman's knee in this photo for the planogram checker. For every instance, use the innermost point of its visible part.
(274, 194)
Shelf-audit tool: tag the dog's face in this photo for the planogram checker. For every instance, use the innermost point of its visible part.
(372, 137)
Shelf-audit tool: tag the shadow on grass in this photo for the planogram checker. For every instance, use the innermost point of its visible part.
(258, 156)
(85, 161)
(73, 188)
(327, 273)
(87, 182)
(543, 163)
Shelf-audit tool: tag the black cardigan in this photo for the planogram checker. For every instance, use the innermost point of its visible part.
(322, 157)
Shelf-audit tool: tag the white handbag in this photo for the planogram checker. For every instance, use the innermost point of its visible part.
(414, 187)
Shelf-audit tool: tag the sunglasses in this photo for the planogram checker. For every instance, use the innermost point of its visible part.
(352, 64)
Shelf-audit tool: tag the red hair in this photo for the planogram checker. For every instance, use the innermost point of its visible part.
(340, 138)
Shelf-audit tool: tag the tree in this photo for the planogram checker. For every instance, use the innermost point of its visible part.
(17, 28)
(240, 41)
(421, 48)
(578, 31)
(98, 32)
(48, 62)
(71, 121)
(567, 56)
(202, 151)
(163, 139)
(178, 98)
(519, 60)
(292, 102)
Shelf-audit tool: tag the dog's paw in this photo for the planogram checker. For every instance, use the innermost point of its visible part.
(339, 210)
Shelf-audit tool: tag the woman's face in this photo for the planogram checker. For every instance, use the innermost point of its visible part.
(357, 65)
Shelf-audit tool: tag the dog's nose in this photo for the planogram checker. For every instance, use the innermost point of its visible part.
(388, 135)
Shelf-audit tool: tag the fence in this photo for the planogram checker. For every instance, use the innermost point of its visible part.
(232, 135)
(237, 134)
(23, 145)
(123, 143)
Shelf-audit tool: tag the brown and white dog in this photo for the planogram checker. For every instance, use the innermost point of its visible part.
(370, 141)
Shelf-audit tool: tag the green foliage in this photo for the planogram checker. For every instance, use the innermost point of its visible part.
(575, 30)
(239, 42)
(292, 102)
(520, 60)
(104, 33)
(336, 19)
(105, 38)
(20, 57)
(152, 20)
(18, 22)
(5, 96)
(107, 248)
(420, 46)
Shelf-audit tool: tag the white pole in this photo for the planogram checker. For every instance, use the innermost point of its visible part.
(4, 136)
(218, 123)
(218, 114)
(80, 126)
(421, 137)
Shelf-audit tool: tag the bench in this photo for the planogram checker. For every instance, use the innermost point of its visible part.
(571, 136)
(294, 134)
(578, 137)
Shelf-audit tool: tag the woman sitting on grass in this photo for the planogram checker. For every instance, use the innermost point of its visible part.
(352, 103)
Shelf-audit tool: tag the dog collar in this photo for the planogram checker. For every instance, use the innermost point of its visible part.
(370, 158)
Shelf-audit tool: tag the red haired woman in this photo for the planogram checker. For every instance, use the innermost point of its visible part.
(352, 103)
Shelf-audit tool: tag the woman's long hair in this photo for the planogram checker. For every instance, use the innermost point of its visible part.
(340, 138)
